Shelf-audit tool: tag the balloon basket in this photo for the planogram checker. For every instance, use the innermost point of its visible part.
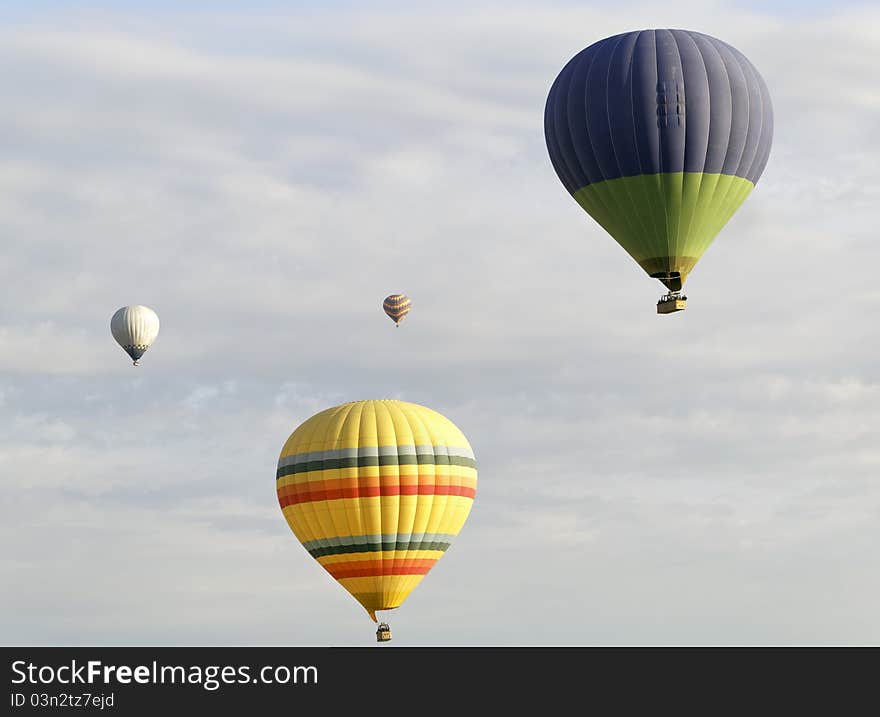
(383, 633)
(672, 302)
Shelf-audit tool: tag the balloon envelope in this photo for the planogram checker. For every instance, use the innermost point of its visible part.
(375, 491)
(659, 135)
(397, 306)
(135, 328)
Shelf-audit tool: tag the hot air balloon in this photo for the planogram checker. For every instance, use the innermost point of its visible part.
(375, 491)
(660, 135)
(135, 328)
(397, 306)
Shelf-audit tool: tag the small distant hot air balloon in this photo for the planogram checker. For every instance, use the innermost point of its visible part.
(375, 491)
(397, 306)
(660, 135)
(135, 328)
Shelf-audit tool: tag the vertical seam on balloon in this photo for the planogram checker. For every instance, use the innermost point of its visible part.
(326, 437)
(324, 434)
(707, 235)
(620, 219)
(632, 107)
(336, 441)
(409, 553)
(550, 138)
(556, 157)
(574, 164)
(397, 580)
(674, 250)
(650, 195)
(442, 503)
(595, 196)
(710, 235)
(303, 535)
(660, 143)
(416, 417)
(611, 55)
(760, 112)
(377, 579)
(716, 225)
(635, 213)
(686, 240)
(560, 116)
(308, 517)
(139, 323)
(337, 527)
(130, 325)
(735, 61)
(766, 140)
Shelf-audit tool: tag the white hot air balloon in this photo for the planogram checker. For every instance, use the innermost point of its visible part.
(135, 328)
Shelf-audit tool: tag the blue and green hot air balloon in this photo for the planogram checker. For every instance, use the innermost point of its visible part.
(660, 135)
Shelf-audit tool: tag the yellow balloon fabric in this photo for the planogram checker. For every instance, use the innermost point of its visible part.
(375, 491)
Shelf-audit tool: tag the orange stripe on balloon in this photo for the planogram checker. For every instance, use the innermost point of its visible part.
(376, 568)
(371, 487)
(330, 490)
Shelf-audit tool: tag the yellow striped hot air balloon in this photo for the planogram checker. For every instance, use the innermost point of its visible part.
(397, 306)
(375, 491)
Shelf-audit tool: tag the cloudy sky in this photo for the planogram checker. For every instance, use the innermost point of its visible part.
(262, 174)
